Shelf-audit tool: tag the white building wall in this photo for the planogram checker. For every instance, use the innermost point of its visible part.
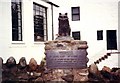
(119, 33)
(5, 25)
(26, 48)
(94, 15)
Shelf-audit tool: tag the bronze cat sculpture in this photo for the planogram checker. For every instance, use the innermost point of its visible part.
(64, 27)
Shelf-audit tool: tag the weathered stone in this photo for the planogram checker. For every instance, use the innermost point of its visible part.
(106, 74)
(64, 38)
(48, 77)
(22, 63)
(68, 78)
(48, 47)
(24, 76)
(105, 68)
(39, 80)
(67, 71)
(10, 62)
(118, 73)
(93, 69)
(1, 60)
(1, 63)
(37, 74)
(82, 46)
(33, 64)
(80, 74)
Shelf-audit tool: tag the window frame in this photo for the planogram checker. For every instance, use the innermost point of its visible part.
(99, 35)
(17, 33)
(78, 36)
(41, 12)
(75, 13)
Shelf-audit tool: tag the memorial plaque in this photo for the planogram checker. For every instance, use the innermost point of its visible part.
(66, 59)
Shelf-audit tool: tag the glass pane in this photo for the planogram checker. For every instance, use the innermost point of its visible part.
(45, 26)
(41, 9)
(13, 0)
(44, 10)
(18, 7)
(76, 35)
(44, 15)
(37, 8)
(75, 17)
(45, 22)
(75, 10)
(19, 15)
(41, 13)
(34, 6)
(20, 37)
(100, 35)
(34, 13)
(19, 22)
(37, 12)
(19, 30)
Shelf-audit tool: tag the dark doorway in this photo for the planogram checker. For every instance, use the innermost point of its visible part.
(111, 40)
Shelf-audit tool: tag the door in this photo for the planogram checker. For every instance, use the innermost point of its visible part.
(111, 40)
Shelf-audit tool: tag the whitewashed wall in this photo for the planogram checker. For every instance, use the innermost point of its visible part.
(119, 32)
(94, 15)
(27, 48)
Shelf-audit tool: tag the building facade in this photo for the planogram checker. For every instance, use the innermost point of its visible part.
(95, 21)
(24, 26)
(27, 24)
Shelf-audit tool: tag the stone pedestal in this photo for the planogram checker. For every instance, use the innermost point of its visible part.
(70, 68)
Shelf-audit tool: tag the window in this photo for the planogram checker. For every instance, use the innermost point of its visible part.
(76, 35)
(75, 13)
(100, 35)
(16, 11)
(40, 22)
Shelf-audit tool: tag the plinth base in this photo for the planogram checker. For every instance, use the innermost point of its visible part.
(67, 60)
(68, 75)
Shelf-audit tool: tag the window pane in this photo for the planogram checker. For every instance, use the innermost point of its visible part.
(75, 17)
(75, 10)
(41, 13)
(19, 23)
(76, 35)
(37, 8)
(100, 35)
(44, 10)
(37, 13)
(41, 9)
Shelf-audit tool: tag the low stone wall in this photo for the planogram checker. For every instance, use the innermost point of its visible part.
(33, 73)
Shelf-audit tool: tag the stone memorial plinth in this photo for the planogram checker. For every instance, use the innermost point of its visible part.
(67, 58)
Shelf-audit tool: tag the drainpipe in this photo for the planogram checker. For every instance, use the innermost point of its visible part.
(52, 4)
(52, 23)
